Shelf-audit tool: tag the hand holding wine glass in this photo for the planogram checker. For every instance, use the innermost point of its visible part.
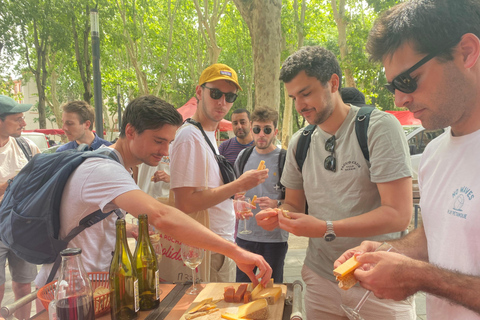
(192, 257)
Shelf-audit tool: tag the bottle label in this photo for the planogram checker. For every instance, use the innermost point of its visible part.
(136, 295)
(157, 285)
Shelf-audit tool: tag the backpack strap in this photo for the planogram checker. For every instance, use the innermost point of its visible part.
(361, 127)
(23, 144)
(244, 157)
(281, 164)
(303, 145)
(199, 126)
(86, 222)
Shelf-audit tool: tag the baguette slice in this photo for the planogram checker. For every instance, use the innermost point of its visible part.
(347, 281)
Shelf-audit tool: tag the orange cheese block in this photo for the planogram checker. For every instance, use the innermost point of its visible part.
(257, 310)
(346, 267)
(238, 297)
(229, 293)
(270, 294)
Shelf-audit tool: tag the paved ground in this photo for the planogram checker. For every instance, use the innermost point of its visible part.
(293, 265)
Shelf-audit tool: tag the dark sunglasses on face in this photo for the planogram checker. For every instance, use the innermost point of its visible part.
(330, 162)
(216, 94)
(404, 82)
(266, 130)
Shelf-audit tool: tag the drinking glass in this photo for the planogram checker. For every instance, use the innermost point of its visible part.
(192, 257)
(354, 314)
(243, 207)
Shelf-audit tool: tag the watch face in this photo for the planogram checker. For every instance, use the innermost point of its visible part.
(330, 237)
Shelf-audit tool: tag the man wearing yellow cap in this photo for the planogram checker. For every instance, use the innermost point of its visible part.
(195, 174)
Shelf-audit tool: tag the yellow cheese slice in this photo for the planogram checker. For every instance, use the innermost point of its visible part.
(261, 165)
(257, 290)
(231, 316)
(270, 294)
(346, 267)
(254, 199)
(201, 304)
(257, 310)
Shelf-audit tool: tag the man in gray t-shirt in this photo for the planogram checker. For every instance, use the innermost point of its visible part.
(349, 198)
(272, 245)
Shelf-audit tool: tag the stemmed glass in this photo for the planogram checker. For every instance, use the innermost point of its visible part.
(192, 257)
(243, 207)
(354, 314)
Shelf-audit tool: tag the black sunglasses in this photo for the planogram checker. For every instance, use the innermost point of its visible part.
(330, 162)
(404, 82)
(266, 130)
(216, 94)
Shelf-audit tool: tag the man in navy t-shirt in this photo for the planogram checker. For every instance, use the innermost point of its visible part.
(243, 136)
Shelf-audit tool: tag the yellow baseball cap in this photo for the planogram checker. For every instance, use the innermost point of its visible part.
(219, 71)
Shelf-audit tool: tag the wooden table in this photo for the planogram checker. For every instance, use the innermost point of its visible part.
(174, 302)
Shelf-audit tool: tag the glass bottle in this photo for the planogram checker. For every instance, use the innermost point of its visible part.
(147, 269)
(123, 279)
(74, 295)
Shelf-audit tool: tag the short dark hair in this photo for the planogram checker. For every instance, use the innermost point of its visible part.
(149, 113)
(82, 109)
(264, 114)
(316, 61)
(241, 110)
(430, 25)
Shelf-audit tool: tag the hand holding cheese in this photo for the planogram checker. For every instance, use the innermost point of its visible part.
(344, 273)
(261, 165)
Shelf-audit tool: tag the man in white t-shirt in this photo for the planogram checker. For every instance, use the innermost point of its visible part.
(195, 174)
(15, 152)
(431, 54)
(148, 127)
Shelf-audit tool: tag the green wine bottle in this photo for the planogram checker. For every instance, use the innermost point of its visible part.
(123, 279)
(145, 260)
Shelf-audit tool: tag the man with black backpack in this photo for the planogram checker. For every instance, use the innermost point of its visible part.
(272, 245)
(15, 152)
(352, 169)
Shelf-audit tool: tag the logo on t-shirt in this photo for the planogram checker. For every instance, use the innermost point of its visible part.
(461, 197)
(350, 165)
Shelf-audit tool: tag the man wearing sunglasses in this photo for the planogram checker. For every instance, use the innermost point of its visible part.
(243, 136)
(350, 198)
(272, 245)
(194, 173)
(431, 54)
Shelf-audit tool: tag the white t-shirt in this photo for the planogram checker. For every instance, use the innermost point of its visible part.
(92, 186)
(158, 189)
(450, 202)
(190, 157)
(12, 158)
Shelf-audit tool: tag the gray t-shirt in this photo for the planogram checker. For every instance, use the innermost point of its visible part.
(351, 190)
(270, 188)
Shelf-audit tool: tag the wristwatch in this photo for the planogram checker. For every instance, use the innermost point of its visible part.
(279, 203)
(329, 234)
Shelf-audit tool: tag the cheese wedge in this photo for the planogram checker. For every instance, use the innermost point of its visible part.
(254, 199)
(270, 294)
(347, 281)
(257, 290)
(270, 283)
(346, 267)
(261, 165)
(231, 316)
(257, 310)
(201, 304)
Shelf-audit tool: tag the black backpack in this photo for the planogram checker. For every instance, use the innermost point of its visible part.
(23, 144)
(281, 163)
(30, 209)
(361, 127)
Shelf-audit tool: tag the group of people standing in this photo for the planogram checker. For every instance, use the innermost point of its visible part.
(342, 200)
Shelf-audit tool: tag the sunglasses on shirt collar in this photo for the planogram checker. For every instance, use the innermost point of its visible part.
(216, 94)
(404, 82)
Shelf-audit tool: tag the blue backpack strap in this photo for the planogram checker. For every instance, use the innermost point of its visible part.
(303, 145)
(23, 144)
(361, 127)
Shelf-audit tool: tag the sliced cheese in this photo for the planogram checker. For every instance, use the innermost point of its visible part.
(270, 294)
(231, 316)
(257, 310)
(201, 304)
(261, 165)
(254, 199)
(257, 290)
(346, 267)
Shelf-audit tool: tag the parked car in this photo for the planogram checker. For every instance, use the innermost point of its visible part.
(418, 138)
(38, 138)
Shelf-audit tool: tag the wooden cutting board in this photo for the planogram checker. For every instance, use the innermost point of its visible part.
(215, 291)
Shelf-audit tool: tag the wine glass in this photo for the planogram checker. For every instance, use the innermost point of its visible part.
(354, 314)
(192, 257)
(243, 207)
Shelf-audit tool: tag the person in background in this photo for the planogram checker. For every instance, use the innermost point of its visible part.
(78, 118)
(243, 136)
(349, 198)
(154, 180)
(431, 53)
(195, 174)
(13, 157)
(272, 245)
